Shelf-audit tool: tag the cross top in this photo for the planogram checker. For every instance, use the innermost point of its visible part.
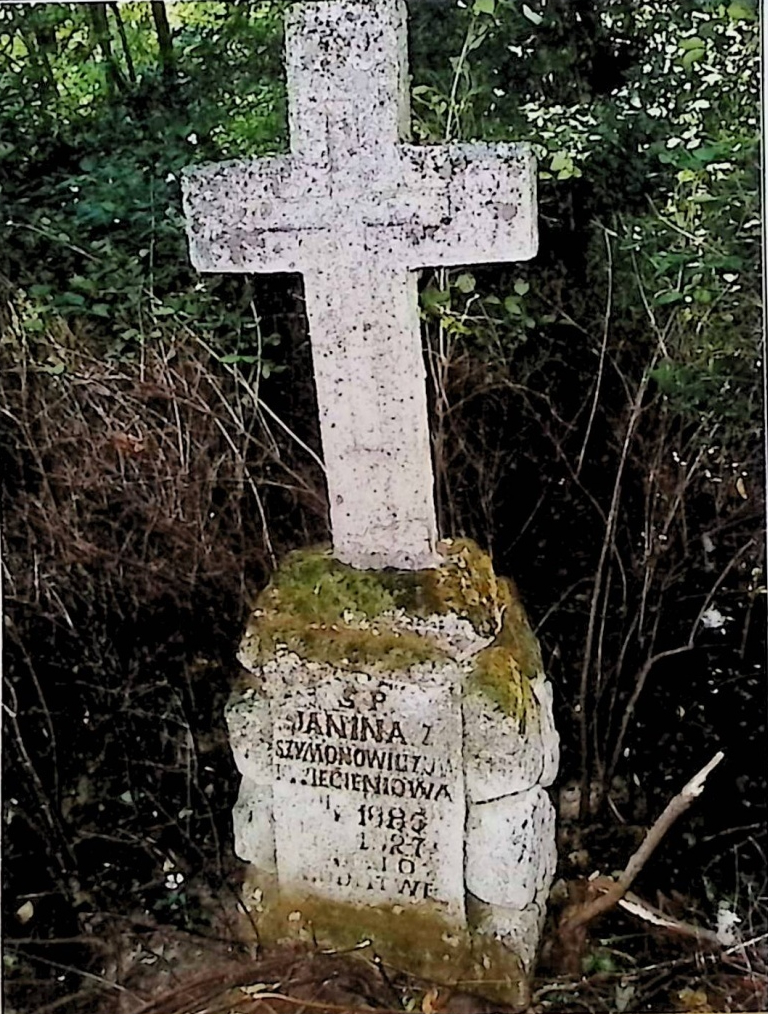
(349, 95)
(356, 210)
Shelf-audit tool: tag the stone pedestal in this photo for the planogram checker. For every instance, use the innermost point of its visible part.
(394, 734)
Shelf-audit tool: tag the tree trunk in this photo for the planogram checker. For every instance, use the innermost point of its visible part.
(100, 26)
(164, 38)
(124, 43)
(36, 50)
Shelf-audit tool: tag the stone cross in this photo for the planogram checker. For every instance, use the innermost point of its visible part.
(357, 211)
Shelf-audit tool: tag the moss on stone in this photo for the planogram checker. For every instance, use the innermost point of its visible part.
(516, 633)
(465, 585)
(326, 611)
(497, 675)
(311, 585)
(503, 671)
(345, 645)
(414, 938)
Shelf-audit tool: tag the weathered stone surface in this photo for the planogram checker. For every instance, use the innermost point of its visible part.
(504, 755)
(351, 738)
(510, 848)
(355, 209)
(250, 733)
(518, 929)
(550, 740)
(368, 787)
(253, 825)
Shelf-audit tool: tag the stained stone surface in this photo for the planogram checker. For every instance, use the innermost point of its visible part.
(368, 776)
(253, 825)
(394, 728)
(493, 770)
(510, 848)
(518, 929)
(356, 210)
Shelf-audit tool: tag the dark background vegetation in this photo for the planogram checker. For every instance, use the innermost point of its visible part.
(596, 424)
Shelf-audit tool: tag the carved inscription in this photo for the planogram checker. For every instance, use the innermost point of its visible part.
(369, 799)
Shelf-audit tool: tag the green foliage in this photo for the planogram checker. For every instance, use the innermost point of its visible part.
(90, 162)
(662, 144)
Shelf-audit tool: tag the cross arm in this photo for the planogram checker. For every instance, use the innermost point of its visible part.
(491, 204)
(249, 215)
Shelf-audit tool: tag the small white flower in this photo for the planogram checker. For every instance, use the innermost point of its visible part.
(726, 921)
(713, 619)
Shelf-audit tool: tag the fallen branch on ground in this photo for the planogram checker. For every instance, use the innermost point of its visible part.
(607, 893)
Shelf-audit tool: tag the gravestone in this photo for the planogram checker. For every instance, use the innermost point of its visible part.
(393, 725)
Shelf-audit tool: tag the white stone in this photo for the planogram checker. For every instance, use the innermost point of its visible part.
(502, 757)
(253, 825)
(250, 735)
(356, 211)
(519, 929)
(368, 790)
(542, 691)
(450, 632)
(510, 848)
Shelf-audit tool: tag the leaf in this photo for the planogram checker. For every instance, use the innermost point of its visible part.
(741, 10)
(692, 56)
(741, 489)
(532, 16)
(465, 283)
(512, 305)
(484, 7)
(561, 162)
(258, 987)
(706, 153)
(694, 42)
(235, 357)
(668, 297)
(521, 287)
(25, 912)
(624, 995)
(433, 298)
(429, 1000)
(690, 1000)
(686, 176)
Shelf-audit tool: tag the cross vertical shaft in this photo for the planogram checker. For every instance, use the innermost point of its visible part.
(348, 99)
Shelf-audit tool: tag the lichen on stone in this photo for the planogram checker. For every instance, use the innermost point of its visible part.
(466, 585)
(417, 939)
(503, 671)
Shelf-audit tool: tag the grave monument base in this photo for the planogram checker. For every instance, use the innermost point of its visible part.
(419, 943)
(394, 733)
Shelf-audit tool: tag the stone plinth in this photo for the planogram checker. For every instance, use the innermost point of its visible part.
(394, 734)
